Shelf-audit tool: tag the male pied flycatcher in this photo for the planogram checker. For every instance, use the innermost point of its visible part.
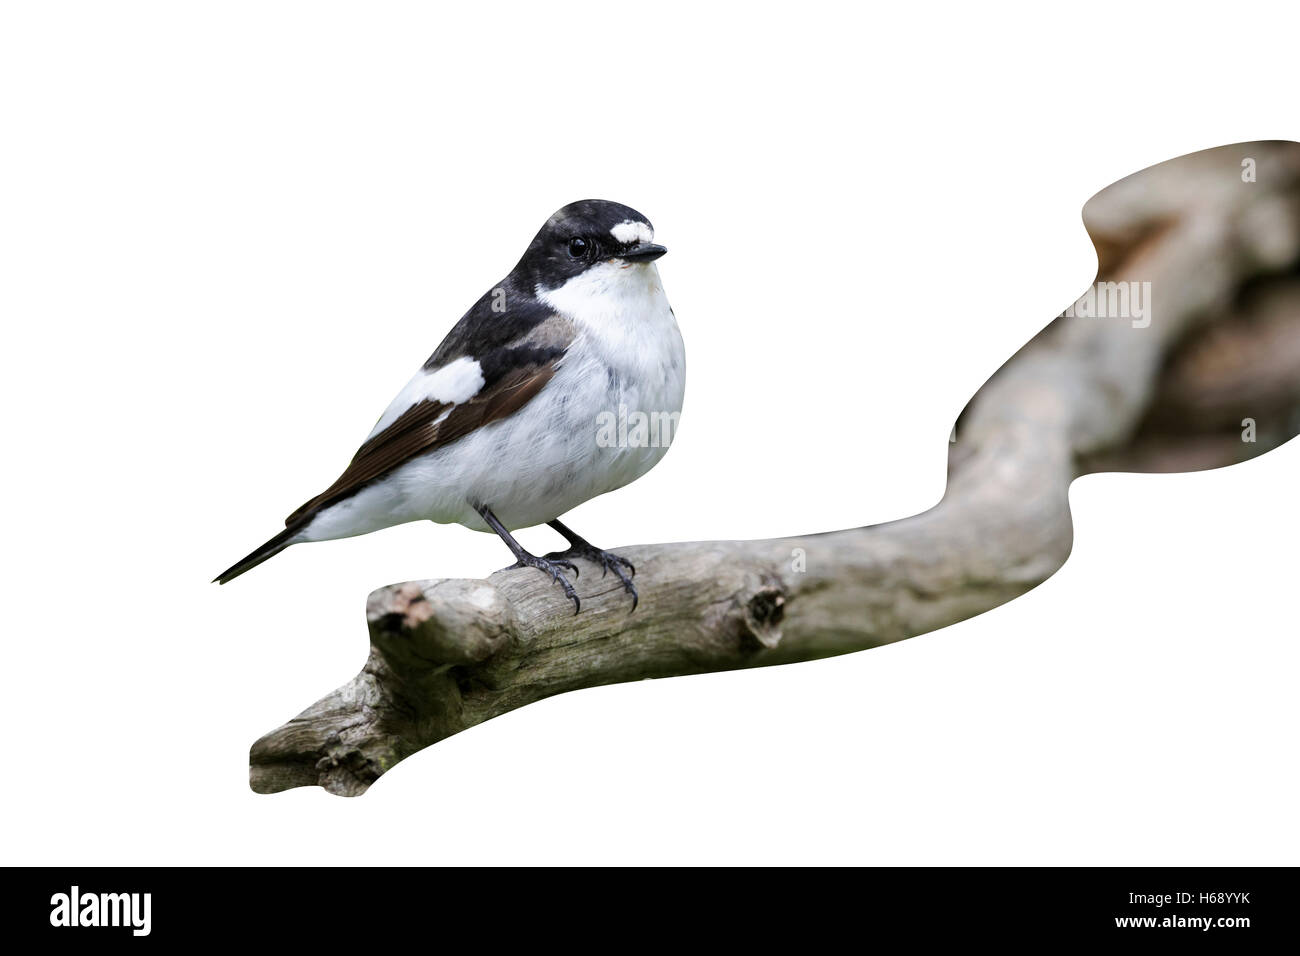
(508, 424)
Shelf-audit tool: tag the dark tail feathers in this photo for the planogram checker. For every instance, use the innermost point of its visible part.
(264, 553)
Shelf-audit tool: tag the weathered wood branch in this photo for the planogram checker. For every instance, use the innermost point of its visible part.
(448, 654)
(1243, 370)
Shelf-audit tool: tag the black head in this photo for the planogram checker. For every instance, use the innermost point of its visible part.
(584, 234)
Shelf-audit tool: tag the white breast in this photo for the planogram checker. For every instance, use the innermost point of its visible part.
(627, 322)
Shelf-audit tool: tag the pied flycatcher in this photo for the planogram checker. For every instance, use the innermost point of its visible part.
(510, 423)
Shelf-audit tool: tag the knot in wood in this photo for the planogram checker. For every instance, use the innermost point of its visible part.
(761, 617)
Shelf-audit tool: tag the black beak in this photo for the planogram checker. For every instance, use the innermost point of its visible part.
(641, 252)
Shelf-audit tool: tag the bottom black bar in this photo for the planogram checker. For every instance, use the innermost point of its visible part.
(1222, 907)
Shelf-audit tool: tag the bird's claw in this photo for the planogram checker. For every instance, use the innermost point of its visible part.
(552, 566)
(608, 561)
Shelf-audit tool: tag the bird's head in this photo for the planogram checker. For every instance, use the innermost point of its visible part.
(590, 238)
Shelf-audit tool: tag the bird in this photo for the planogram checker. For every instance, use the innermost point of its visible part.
(564, 381)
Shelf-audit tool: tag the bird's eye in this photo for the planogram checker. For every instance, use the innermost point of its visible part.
(578, 247)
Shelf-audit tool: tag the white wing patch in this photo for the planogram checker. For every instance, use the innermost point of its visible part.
(630, 231)
(457, 381)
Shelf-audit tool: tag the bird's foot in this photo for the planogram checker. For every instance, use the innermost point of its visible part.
(551, 565)
(609, 561)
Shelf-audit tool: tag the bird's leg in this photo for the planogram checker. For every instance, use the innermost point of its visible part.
(580, 547)
(548, 564)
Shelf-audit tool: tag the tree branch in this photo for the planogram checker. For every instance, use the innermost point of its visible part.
(448, 654)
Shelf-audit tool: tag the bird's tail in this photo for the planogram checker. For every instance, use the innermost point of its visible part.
(264, 553)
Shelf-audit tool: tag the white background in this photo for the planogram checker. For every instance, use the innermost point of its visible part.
(231, 231)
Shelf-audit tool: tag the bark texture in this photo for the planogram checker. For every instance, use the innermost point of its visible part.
(1086, 394)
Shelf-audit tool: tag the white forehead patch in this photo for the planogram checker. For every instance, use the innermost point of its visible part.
(632, 232)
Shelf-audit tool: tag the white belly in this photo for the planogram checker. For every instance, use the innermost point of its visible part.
(582, 436)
